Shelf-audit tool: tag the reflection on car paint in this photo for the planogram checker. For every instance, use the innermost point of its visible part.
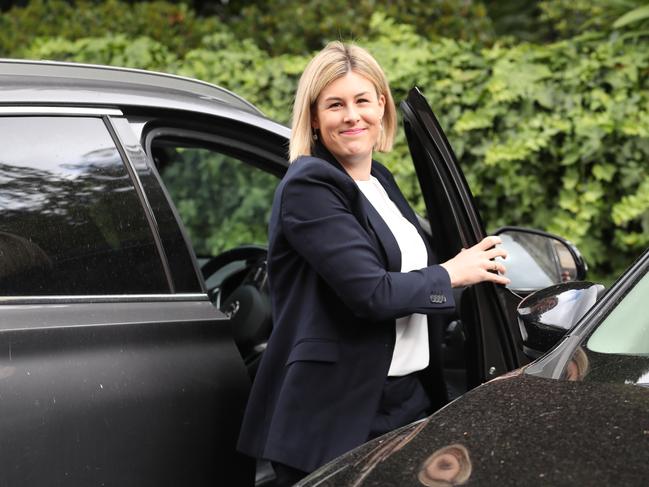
(578, 366)
(446, 467)
(386, 448)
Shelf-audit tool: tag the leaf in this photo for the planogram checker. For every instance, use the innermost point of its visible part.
(632, 206)
(633, 16)
(604, 172)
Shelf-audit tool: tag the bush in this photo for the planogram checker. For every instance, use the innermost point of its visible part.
(274, 26)
(173, 25)
(567, 18)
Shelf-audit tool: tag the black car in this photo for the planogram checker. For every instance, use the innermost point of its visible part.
(133, 314)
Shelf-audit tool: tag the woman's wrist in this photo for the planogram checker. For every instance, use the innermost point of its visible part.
(448, 270)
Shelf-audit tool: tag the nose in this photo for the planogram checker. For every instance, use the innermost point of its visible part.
(351, 114)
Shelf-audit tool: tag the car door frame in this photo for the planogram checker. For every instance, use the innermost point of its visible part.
(493, 343)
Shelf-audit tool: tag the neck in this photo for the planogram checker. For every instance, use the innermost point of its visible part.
(358, 170)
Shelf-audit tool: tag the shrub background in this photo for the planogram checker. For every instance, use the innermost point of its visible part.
(547, 107)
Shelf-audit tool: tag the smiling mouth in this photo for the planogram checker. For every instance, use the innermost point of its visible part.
(353, 131)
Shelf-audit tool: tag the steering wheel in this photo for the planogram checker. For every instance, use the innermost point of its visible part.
(242, 252)
(242, 296)
(252, 270)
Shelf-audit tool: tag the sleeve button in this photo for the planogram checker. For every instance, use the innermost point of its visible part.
(437, 298)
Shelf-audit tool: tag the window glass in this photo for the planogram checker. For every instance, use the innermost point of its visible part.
(71, 221)
(617, 351)
(223, 201)
(626, 329)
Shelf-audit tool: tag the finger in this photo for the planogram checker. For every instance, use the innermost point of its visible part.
(495, 252)
(494, 266)
(489, 265)
(488, 242)
(497, 278)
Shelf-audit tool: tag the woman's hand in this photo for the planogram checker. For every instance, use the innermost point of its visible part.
(475, 264)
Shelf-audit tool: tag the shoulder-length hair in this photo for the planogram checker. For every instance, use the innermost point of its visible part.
(333, 62)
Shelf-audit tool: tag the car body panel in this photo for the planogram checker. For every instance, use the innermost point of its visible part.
(33, 83)
(443, 184)
(519, 430)
(129, 393)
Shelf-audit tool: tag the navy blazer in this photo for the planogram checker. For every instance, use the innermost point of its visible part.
(336, 290)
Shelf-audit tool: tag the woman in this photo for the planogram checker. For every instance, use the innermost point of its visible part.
(351, 280)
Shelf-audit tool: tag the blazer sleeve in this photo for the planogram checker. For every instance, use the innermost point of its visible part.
(318, 223)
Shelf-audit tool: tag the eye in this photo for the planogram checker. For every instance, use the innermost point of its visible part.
(363, 100)
(335, 104)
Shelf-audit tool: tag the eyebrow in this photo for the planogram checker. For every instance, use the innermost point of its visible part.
(331, 98)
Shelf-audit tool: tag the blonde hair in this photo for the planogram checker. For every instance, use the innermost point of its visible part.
(333, 62)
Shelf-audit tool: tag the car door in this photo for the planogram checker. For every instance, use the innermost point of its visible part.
(492, 343)
(115, 368)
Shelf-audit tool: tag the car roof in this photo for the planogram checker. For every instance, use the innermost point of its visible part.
(51, 83)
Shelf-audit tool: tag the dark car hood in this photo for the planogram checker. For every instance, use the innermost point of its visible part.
(521, 430)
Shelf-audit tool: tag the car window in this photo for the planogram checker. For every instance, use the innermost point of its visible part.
(617, 351)
(626, 329)
(71, 221)
(223, 200)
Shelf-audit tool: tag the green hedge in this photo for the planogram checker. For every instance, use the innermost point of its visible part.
(176, 26)
(271, 24)
(550, 136)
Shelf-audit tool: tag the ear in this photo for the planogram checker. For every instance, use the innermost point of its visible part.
(314, 123)
(382, 105)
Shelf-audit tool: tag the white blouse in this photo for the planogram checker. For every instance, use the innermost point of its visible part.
(411, 347)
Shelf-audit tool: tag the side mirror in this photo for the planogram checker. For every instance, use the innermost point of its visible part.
(545, 316)
(539, 259)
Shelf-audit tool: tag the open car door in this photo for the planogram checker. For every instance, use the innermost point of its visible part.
(489, 337)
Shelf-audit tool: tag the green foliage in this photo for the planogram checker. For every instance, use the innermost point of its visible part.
(550, 136)
(119, 50)
(223, 202)
(276, 26)
(635, 15)
(242, 67)
(516, 19)
(298, 27)
(568, 18)
(173, 25)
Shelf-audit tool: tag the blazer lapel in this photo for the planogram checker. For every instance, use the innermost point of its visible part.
(384, 236)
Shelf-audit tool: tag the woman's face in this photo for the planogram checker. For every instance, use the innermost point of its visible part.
(348, 116)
